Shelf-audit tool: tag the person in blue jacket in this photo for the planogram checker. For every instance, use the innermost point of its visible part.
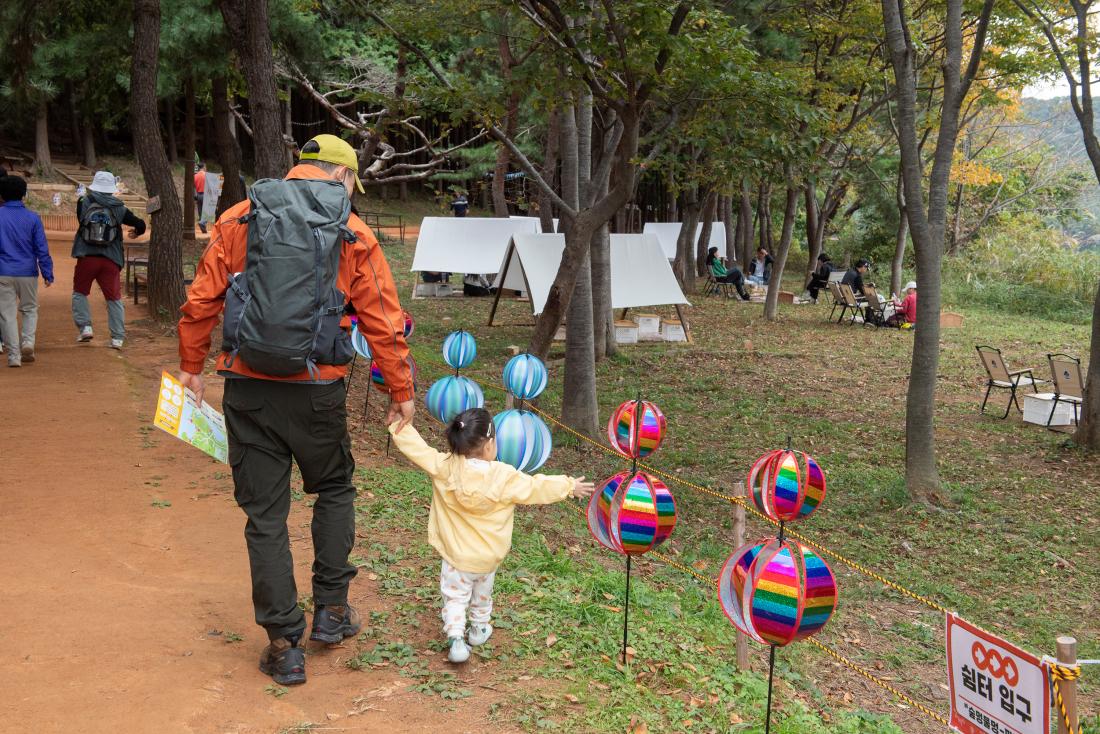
(23, 256)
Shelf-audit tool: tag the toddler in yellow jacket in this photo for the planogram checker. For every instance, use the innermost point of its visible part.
(470, 523)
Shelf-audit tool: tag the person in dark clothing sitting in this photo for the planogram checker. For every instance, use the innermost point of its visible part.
(854, 277)
(723, 275)
(820, 277)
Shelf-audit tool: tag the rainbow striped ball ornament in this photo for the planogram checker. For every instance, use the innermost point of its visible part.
(359, 343)
(410, 325)
(459, 349)
(525, 376)
(523, 440)
(379, 381)
(786, 485)
(777, 592)
(631, 439)
(452, 395)
(631, 513)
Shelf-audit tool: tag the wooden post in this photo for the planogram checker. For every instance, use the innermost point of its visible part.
(738, 541)
(1067, 655)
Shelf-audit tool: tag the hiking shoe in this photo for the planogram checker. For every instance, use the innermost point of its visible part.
(459, 652)
(284, 661)
(28, 353)
(479, 634)
(14, 364)
(202, 227)
(332, 624)
(86, 334)
(116, 344)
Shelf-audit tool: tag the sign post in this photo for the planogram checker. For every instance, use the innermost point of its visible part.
(996, 688)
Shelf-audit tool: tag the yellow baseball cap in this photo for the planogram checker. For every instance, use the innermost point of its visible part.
(332, 149)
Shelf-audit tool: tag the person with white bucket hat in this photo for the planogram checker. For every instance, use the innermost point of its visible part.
(97, 248)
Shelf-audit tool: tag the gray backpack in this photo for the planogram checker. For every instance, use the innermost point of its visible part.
(98, 224)
(282, 314)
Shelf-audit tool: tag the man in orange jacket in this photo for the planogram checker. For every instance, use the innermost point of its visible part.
(272, 420)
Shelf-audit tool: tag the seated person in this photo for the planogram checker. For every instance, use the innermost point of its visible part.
(760, 269)
(722, 275)
(820, 277)
(854, 277)
(430, 276)
(905, 312)
(475, 284)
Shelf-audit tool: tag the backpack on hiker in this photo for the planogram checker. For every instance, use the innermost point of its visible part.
(98, 225)
(283, 313)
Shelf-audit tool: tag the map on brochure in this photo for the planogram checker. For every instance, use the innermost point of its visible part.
(179, 414)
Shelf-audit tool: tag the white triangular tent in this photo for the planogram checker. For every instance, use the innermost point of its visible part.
(466, 244)
(668, 232)
(536, 220)
(640, 273)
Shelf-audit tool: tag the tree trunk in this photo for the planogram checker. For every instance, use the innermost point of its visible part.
(189, 159)
(730, 223)
(1088, 429)
(790, 210)
(288, 127)
(927, 227)
(685, 241)
(247, 23)
(549, 168)
(170, 130)
(74, 120)
(228, 154)
(710, 211)
(603, 318)
(88, 129)
(43, 163)
(814, 231)
(900, 240)
(744, 222)
(165, 253)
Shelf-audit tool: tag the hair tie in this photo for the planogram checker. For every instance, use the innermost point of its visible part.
(461, 424)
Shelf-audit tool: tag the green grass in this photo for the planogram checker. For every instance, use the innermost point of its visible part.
(1013, 552)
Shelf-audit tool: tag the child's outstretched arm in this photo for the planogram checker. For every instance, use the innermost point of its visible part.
(410, 443)
(542, 489)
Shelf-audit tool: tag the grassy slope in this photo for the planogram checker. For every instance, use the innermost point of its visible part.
(1012, 554)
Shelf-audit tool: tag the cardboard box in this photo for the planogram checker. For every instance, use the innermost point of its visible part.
(673, 331)
(1037, 409)
(949, 320)
(649, 324)
(626, 332)
(786, 297)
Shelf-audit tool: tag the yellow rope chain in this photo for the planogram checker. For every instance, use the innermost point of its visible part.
(1060, 673)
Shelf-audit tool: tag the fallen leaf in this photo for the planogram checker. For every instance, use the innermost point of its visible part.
(637, 726)
(551, 639)
(571, 698)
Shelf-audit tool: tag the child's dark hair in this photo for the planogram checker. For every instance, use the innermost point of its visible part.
(469, 431)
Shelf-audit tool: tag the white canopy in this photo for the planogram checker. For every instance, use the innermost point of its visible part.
(640, 273)
(466, 244)
(667, 233)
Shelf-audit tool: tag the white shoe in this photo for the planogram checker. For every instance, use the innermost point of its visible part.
(86, 334)
(479, 634)
(116, 344)
(459, 652)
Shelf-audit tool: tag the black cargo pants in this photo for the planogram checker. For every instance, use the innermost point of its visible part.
(269, 423)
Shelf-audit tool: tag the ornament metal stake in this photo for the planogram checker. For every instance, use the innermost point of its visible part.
(633, 471)
(771, 654)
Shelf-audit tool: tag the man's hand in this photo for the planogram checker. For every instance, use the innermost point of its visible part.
(582, 490)
(400, 411)
(48, 283)
(193, 382)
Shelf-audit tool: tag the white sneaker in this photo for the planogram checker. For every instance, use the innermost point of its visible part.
(459, 652)
(116, 344)
(86, 334)
(479, 634)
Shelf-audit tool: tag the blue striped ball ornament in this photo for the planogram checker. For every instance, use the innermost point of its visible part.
(525, 376)
(459, 349)
(523, 440)
(451, 395)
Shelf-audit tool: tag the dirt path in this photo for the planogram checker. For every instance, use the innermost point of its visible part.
(119, 610)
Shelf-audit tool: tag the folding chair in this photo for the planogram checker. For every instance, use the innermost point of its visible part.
(1069, 386)
(838, 299)
(716, 287)
(851, 302)
(876, 307)
(1002, 378)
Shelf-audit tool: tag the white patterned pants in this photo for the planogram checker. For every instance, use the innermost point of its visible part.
(464, 591)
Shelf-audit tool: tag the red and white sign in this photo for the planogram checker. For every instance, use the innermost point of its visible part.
(996, 688)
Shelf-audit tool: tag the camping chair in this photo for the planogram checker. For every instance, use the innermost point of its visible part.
(851, 302)
(1002, 378)
(876, 307)
(1069, 387)
(714, 288)
(838, 299)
